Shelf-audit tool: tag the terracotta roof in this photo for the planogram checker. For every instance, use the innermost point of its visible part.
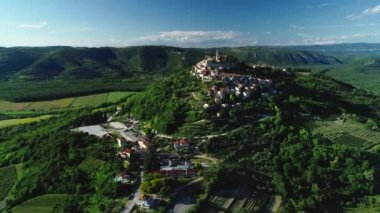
(127, 150)
(181, 142)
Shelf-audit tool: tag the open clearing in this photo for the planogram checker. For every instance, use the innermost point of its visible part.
(53, 104)
(40, 204)
(88, 100)
(18, 121)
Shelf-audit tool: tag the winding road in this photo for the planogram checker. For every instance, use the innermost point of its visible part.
(131, 203)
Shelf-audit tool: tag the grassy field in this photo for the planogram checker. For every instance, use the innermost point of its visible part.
(12, 122)
(6, 106)
(8, 176)
(53, 104)
(40, 204)
(89, 100)
(350, 133)
(116, 96)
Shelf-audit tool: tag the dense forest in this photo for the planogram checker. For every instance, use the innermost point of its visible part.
(58, 161)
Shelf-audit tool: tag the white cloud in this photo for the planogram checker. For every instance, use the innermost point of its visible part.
(196, 38)
(324, 5)
(353, 16)
(191, 36)
(372, 10)
(318, 5)
(34, 26)
(297, 27)
(367, 12)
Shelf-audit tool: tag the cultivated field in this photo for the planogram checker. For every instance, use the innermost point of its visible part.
(350, 133)
(89, 100)
(53, 104)
(240, 200)
(11, 106)
(40, 204)
(116, 96)
(18, 121)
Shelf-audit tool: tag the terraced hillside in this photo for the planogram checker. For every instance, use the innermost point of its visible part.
(349, 133)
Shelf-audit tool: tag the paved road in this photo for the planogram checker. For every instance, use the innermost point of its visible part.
(131, 203)
(164, 136)
(111, 117)
(214, 160)
(183, 205)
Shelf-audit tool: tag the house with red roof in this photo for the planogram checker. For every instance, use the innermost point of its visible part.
(180, 144)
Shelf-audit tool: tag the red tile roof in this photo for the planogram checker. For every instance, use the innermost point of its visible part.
(127, 150)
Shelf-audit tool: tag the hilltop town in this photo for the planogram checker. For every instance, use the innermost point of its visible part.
(230, 84)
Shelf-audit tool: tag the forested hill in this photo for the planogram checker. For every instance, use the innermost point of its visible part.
(354, 49)
(41, 63)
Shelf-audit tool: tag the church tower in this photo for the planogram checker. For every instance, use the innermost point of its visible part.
(217, 56)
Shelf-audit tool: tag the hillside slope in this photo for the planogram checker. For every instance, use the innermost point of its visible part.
(89, 63)
(278, 153)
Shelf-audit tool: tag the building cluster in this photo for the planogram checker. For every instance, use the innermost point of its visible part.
(181, 145)
(211, 67)
(175, 166)
(130, 133)
(230, 87)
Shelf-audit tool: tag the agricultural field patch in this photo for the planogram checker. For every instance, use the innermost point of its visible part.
(90, 100)
(13, 106)
(116, 96)
(350, 133)
(18, 121)
(81, 101)
(53, 104)
(240, 200)
(350, 140)
(41, 204)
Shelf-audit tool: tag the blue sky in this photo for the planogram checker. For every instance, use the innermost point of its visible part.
(187, 23)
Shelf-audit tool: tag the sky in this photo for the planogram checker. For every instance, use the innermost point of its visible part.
(187, 23)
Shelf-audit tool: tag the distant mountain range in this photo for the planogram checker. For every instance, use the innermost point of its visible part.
(43, 63)
(354, 49)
